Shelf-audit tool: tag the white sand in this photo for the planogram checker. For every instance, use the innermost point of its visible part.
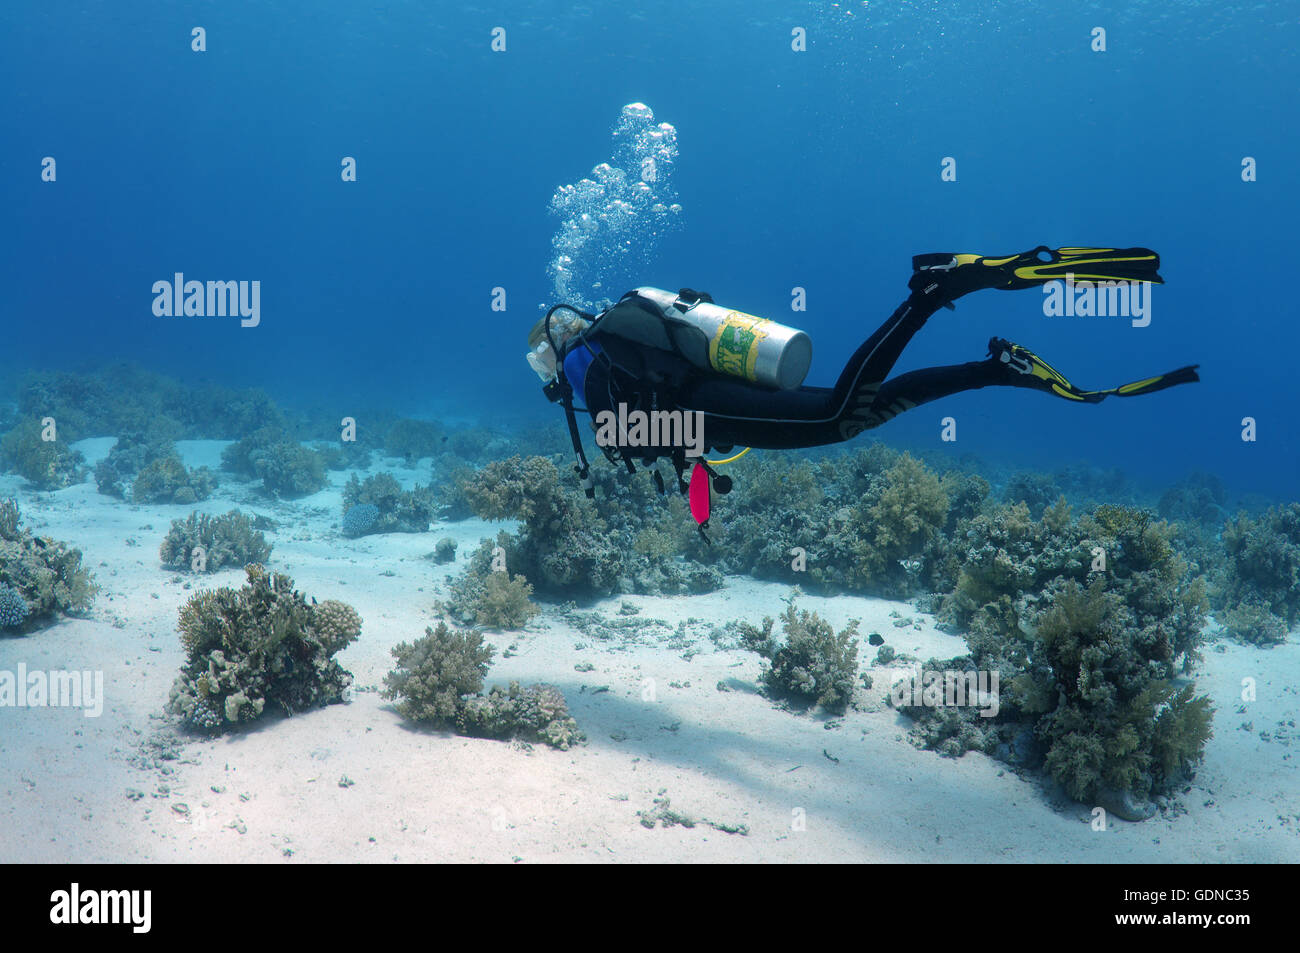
(731, 757)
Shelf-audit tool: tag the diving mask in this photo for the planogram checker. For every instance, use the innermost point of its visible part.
(542, 358)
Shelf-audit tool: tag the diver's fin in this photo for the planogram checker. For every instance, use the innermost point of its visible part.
(953, 275)
(1149, 385)
(1029, 370)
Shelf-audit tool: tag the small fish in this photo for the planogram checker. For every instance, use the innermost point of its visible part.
(876, 638)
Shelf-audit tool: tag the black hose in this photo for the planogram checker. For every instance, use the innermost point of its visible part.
(561, 307)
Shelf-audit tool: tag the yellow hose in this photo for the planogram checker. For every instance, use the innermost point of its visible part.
(718, 463)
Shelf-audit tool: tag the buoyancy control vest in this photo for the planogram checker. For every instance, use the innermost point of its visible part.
(683, 327)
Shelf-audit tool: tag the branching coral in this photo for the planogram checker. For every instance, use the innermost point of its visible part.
(1093, 685)
(535, 712)
(1088, 623)
(949, 730)
(413, 439)
(337, 624)
(487, 596)
(1199, 499)
(204, 543)
(1120, 724)
(122, 399)
(628, 538)
(1261, 577)
(130, 454)
(813, 665)
(285, 467)
(505, 602)
(167, 480)
(263, 643)
(1005, 560)
(881, 540)
(565, 543)
(46, 464)
(449, 476)
(396, 510)
(910, 512)
(1036, 490)
(966, 495)
(238, 457)
(289, 469)
(45, 573)
(439, 680)
(434, 673)
(343, 456)
(1254, 623)
(1166, 603)
(870, 520)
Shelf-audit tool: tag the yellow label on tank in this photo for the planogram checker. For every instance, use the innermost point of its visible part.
(734, 348)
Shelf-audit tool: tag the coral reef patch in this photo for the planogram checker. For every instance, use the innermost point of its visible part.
(45, 574)
(439, 680)
(260, 645)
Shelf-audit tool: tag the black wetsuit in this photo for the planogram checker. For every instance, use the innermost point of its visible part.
(738, 413)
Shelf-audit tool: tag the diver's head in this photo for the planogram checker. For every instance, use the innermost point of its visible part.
(563, 328)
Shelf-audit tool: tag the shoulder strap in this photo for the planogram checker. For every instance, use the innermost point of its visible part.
(559, 390)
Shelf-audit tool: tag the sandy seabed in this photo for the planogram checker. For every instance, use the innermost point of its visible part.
(676, 718)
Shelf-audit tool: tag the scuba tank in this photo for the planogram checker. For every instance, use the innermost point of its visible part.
(712, 337)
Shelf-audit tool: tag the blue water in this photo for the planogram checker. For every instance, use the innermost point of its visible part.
(817, 169)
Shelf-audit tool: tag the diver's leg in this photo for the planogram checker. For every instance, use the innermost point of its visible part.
(1000, 369)
(1024, 368)
(860, 381)
(914, 388)
(940, 279)
(737, 413)
(1008, 365)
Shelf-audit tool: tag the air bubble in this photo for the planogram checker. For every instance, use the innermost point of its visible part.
(611, 222)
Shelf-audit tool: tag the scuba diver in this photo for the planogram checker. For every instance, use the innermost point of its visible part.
(741, 376)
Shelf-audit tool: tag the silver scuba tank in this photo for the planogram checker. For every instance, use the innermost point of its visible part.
(712, 337)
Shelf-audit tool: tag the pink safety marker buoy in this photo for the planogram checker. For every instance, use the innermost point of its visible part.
(699, 494)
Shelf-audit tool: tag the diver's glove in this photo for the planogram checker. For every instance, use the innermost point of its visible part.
(952, 275)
